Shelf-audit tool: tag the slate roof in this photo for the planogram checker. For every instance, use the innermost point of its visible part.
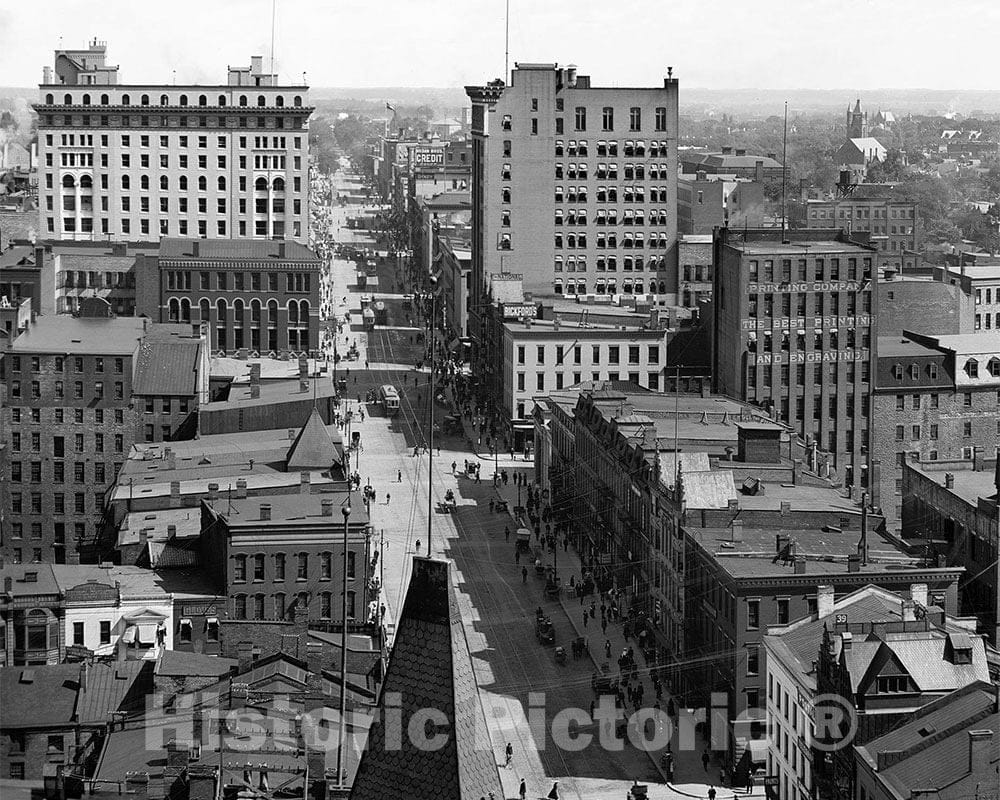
(935, 746)
(229, 249)
(313, 448)
(53, 696)
(708, 489)
(167, 367)
(431, 668)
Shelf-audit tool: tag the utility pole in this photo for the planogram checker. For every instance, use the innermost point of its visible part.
(346, 511)
(430, 424)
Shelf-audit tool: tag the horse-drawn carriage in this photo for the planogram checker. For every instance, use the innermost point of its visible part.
(544, 631)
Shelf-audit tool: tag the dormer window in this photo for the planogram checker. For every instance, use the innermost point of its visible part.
(914, 372)
(891, 684)
(972, 368)
(994, 367)
(897, 372)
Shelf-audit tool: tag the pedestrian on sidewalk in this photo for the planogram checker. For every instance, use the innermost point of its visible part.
(566, 544)
(749, 782)
(522, 789)
(506, 533)
(711, 793)
(607, 649)
(399, 476)
(388, 497)
(453, 465)
(604, 625)
(705, 758)
(418, 545)
(509, 753)
(524, 574)
(517, 556)
(586, 617)
(593, 609)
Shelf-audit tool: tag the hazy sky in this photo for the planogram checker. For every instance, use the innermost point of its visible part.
(720, 44)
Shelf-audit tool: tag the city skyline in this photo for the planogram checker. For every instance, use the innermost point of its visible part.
(867, 55)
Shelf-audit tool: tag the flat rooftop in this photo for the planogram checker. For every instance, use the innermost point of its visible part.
(969, 485)
(272, 391)
(810, 248)
(892, 346)
(100, 336)
(299, 508)
(185, 521)
(235, 250)
(985, 342)
(824, 553)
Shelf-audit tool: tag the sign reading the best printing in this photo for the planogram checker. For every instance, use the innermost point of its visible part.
(428, 156)
(792, 323)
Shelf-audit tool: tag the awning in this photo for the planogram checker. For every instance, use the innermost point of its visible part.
(147, 632)
(524, 426)
(758, 750)
(185, 621)
(129, 636)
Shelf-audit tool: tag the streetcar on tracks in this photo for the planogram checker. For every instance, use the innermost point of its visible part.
(389, 398)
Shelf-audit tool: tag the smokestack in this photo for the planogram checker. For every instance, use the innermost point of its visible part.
(854, 563)
(980, 751)
(265, 511)
(241, 488)
(171, 531)
(304, 486)
(949, 480)
(213, 491)
(175, 489)
(254, 381)
(327, 505)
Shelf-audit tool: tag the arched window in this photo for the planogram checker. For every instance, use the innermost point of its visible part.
(240, 606)
(185, 310)
(663, 287)
(220, 308)
(126, 181)
(125, 100)
(164, 182)
(652, 287)
(174, 310)
(33, 632)
(50, 100)
(243, 99)
(164, 100)
(255, 310)
(143, 181)
(279, 101)
(182, 182)
(261, 100)
(86, 182)
(272, 313)
(238, 311)
(69, 181)
(297, 102)
(304, 311)
(205, 310)
(184, 99)
(260, 184)
(222, 183)
(86, 99)
(202, 183)
(293, 312)
(68, 100)
(202, 100)
(104, 99)
(222, 99)
(144, 100)
(279, 184)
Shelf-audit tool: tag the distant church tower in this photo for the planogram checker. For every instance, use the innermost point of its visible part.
(857, 122)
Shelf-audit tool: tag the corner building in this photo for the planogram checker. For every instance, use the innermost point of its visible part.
(137, 162)
(573, 186)
(793, 333)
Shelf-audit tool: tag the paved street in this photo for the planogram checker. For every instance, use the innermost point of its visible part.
(498, 607)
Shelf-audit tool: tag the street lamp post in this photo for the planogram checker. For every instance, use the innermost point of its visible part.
(430, 430)
(346, 511)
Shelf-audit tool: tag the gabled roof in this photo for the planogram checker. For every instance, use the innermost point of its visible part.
(430, 668)
(313, 448)
(712, 489)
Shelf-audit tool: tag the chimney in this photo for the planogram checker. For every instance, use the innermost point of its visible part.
(758, 171)
(213, 491)
(244, 654)
(265, 511)
(196, 248)
(291, 434)
(701, 175)
(786, 508)
(171, 531)
(908, 611)
(84, 674)
(741, 151)
(304, 487)
(119, 249)
(949, 480)
(780, 544)
(571, 76)
(800, 565)
(175, 489)
(824, 600)
(918, 594)
(256, 65)
(854, 562)
(773, 156)
(137, 785)
(300, 619)
(981, 752)
(196, 329)
(254, 381)
(977, 458)
(241, 488)
(327, 505)
(281, 250)
(201, 782)
(796, 471)
(846, 640)
(727, 150)
(737, 530)
(8, 584)
(143, 539)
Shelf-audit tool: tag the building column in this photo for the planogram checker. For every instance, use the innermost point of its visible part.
(270, 210)
(76, 190)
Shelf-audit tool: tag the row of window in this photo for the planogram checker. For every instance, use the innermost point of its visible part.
(99, 470)
(262, 228)
(630, 149)
(862, 212)
(255, 606)
(933, 400)
(821, 269)
(34, 505)
(782, 341)
(256, 564)
(990, 321)
(578, 216)
(768, 375)
(652, 381)
(986, 296)
(34, 415)
(59, 390)
(763, 305)
(609, 263)
(261, 184)
(183, 121)
(226, 280)
(611, 240)
(59, 443)
(916, 432)
(614, 354)
(180, 310)
(278, 101)
(61, 363)
(607, 118)
(606, 286)
(259, 142)
(58, 556)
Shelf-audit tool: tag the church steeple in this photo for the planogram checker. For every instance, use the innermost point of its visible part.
(857, 121)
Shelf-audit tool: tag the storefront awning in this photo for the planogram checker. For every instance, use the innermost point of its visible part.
(129, 636)
(758, 750)
(147, 633)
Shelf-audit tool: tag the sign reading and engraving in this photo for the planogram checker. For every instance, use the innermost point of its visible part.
(811, 356)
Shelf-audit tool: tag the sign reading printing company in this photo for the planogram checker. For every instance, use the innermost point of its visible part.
(806, 286)
(792, 323)
(428, 156)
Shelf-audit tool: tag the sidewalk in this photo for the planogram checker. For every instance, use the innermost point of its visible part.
(688, 770)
